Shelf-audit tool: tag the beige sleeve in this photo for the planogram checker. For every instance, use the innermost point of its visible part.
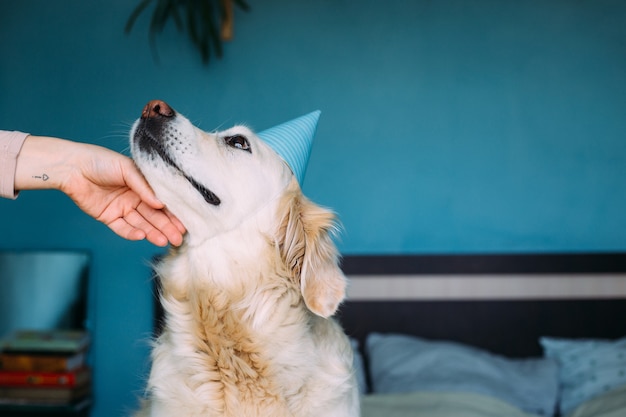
(10, 146)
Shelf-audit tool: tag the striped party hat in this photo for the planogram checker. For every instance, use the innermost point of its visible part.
(292, 141)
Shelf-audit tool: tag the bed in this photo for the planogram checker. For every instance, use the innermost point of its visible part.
(488, 335)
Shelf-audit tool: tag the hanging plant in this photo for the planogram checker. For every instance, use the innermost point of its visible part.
(207, 22)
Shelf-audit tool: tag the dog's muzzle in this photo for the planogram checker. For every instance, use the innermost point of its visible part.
(149, 132)
(149, 138)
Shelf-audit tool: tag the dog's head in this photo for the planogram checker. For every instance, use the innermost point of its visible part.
(216, 181)
(212, 181)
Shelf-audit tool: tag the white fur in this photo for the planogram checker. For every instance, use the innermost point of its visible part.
(249, 295)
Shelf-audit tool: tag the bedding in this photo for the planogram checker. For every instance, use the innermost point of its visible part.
(401, 363)
(587, 367)
(610, 404)
(437, 404)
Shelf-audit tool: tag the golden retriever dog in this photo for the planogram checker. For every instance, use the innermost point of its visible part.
(249, 296)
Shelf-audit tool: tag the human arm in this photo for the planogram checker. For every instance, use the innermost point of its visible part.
(104, 184)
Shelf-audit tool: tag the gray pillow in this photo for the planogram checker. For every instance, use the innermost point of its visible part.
(400, 363)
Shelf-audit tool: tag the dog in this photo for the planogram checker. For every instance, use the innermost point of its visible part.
(250, 294)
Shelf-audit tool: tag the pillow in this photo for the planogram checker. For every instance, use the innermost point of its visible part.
(400, 363)
(587, 367)
(611, 404)
(359, 367)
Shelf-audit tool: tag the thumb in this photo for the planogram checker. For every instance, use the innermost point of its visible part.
(136, 182)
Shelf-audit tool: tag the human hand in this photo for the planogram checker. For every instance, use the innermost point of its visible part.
(104, 184)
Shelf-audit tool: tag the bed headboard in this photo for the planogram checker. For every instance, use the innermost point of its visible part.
(502, 303)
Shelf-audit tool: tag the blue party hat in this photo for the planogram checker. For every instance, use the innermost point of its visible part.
(292, 141)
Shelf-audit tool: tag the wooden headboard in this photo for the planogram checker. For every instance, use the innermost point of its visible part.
(502, 303)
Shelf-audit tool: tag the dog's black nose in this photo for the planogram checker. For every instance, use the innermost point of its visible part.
(157, 108)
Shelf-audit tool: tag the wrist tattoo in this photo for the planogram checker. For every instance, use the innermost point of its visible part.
(43, 177)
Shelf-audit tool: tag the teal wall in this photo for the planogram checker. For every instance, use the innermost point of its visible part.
(447, 127)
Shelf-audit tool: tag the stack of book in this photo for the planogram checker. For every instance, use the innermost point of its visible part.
(44, 368)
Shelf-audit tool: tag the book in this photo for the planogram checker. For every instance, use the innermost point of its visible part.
(45, 379)
(25, 407)
(43, 396)
(41, 362)
(46, 341)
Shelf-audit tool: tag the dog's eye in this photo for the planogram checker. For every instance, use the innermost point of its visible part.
(238, 141)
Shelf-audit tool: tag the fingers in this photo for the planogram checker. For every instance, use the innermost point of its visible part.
(161, 224)
(135, 225)
(125, 230)
(136, 182)
(181, 227)
(157, 226)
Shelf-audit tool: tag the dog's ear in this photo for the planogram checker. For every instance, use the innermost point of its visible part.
(306, 246)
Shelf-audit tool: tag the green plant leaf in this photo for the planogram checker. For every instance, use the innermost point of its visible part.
(199, 18)
(242, 5)
(135, 14)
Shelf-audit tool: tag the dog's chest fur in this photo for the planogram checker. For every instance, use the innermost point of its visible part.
(234, 345)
